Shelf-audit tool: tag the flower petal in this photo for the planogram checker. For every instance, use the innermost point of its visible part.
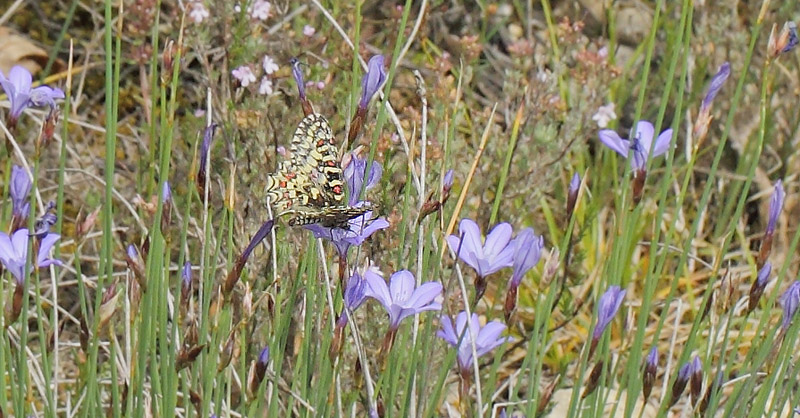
(401, 286)
(447, 332)
(424, 295)
(612, 140)
(644, 132)
(377, 289)
(662, 143)
(472, 237)
(497, 240)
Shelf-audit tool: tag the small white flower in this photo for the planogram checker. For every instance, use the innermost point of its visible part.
(309, 30)
(604, 115)
(245, 75)
(197, 12)
(320, 85)
(266, 87)
(260, 9)
(269, 65)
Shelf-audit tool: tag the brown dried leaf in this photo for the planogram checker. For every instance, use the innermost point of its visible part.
(16, 49)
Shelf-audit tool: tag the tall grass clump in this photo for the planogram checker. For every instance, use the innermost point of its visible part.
(425, 209)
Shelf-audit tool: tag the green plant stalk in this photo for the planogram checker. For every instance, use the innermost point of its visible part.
(632, 371)
(105, 271)
(709, 183)
(512, 145)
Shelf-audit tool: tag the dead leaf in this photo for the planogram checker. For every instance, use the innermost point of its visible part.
(16, 49)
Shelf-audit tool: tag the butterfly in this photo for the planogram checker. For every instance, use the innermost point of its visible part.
(309, 185)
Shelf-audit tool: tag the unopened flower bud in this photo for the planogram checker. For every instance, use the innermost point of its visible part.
(572, 193)
(650, 370)
(684, 374)
(759, 284)
(783, 42)
(594, 379)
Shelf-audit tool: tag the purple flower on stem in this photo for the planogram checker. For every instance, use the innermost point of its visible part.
(792, 41)
(355, 173)
(527, 251)
(486, 338)
(355, 293)
(205, 146)
(448, 179)
(650, 370)
(572, 193)
(775, 206)
(18, 89)
(14, 252)
(684, 373)
(757, 289)
(607, 308)
(166, 193)
(19, 191)
(696, 387)
(641, 144)
(790, 300)
(704, 116)
(359, 229)
(610, 303)
(400, 298)
(485, 257)
(372, 80)
(716, 84)
(297, 74)
(46, 221)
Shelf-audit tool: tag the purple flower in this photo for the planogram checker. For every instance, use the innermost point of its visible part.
(640, 145)
(574, 184)
(608, 306)
(775, 206)
(355, 293)
(372, 80)
(486, 338)
(486, 258)
(166, 193)
(790, 301)
(400, 298)
(132, 253)
(14, 252)
(359, 229)
(18, 89)
(572, 193)
(297, 73)
(757, 289)
(448, 179)
(527, 251)
(716, 84)
(45, 222)
(186, 273)
(652, 358)
(354, 175)
(792, 41)
(263, 357)
(19, 191)
(244, 74)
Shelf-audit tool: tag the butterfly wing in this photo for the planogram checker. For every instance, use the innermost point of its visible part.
(310, 184)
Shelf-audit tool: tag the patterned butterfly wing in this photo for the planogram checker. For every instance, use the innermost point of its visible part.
(310, 185)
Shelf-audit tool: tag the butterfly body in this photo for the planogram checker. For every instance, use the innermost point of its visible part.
(309, 186)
